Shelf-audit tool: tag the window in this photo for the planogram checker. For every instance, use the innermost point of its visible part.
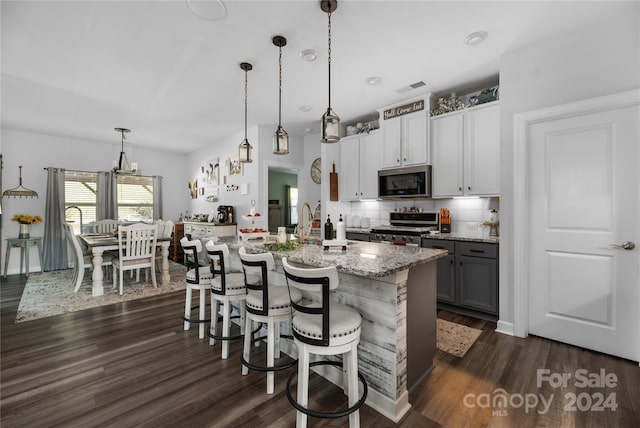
(80, 190)
(134, 198)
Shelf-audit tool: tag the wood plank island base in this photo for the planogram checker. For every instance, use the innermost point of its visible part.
(394, 289)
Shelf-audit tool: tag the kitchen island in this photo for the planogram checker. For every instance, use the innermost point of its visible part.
(394, 289)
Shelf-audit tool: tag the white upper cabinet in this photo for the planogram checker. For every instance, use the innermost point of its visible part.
(447, 143)
(465, 152)
(359, 163)
(405, 136)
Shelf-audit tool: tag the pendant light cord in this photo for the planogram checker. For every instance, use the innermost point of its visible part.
(245, 104)
(280, 87)
(329, 32)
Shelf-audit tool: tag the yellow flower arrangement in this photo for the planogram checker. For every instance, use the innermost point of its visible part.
(27, 219)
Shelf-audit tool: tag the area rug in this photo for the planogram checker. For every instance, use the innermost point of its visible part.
(455, 339)
(51, 293)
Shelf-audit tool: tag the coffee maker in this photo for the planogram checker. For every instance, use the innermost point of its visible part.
(225, 214)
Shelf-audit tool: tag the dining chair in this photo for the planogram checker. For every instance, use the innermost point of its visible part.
(82, 261)
(136, 250)
(104, 226)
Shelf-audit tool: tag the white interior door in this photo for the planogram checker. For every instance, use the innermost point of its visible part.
(584, 196)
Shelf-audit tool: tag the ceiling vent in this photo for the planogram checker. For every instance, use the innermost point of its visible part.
(415, 85)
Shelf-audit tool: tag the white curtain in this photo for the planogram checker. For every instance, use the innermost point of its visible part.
(54, 247)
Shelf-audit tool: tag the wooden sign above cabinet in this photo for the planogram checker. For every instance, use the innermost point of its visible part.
(402, 110)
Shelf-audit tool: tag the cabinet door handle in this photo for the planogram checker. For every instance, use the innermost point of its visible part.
(397, 160)
(469, 188)
(476, 251)
(437, 247)
(451, 261)
(460, 189)
(405, 159)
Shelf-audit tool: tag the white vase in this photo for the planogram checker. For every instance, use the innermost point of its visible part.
(25, 229)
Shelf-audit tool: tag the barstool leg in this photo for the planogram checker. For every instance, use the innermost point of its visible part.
(270, 353)
(303, 385)
(187, 306)
(226, 316)
(203, 308)
(246, 349)
(214, 320)
(243, 315)
(277, 339)
(352, 384)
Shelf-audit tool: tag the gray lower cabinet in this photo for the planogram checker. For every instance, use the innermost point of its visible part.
(467, 277)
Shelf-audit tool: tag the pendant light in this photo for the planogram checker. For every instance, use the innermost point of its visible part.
(244, 150)
(123, 167)
(330, 121)
(20, 191)
(280, 137)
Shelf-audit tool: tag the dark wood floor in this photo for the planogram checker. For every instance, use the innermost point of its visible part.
(131, 364)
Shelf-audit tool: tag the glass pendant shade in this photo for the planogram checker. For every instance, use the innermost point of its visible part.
(245, 152)
(330, 127)
(280, 141)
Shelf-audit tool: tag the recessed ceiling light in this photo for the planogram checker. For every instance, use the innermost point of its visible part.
(373, 80)
(476, 38)
(211, 10)
(309, 55)
(304, 108)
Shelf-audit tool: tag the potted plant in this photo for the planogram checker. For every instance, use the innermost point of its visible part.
(25, 222)
(493, 227)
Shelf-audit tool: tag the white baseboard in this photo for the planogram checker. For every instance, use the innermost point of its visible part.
(505, 328)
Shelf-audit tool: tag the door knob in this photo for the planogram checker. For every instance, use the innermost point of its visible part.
(626, 245)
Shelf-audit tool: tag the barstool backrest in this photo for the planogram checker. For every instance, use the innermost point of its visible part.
(191, 250)
(319, 281)
(219, 256)
(256, 268)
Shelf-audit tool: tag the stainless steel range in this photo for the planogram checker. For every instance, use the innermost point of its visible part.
(405, 228)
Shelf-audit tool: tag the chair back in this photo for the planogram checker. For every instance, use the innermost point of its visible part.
(256, 278)
(192, 249)
(104, 226)
(165, 228)
(219, 256)
(137, 242)
(319, 281)
(78, 257)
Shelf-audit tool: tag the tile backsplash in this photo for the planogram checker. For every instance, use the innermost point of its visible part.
(467, 214)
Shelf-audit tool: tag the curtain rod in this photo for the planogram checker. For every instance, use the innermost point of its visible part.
(46, 168)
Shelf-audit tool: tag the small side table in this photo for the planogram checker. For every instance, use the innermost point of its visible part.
(23, 244)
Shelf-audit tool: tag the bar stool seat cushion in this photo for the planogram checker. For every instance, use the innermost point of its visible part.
(204, 272)
(234, 284)
(278, 298)
(344, 324)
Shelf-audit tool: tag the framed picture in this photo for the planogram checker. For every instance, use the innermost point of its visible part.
(193, 188)
(212, 172)
(235, 166)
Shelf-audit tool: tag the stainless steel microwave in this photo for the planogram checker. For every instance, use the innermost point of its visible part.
(402, 183)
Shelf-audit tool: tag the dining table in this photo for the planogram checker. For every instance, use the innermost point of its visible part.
(99, 243)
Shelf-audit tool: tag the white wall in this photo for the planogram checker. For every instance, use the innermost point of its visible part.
(37, 151)
(596, 61)
(255, 174)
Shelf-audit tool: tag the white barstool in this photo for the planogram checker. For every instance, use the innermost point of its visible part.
(323, 327)
(226, 288)
(267, 304)
(198, 278)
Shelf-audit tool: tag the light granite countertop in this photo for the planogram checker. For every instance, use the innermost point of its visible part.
(366, 259)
